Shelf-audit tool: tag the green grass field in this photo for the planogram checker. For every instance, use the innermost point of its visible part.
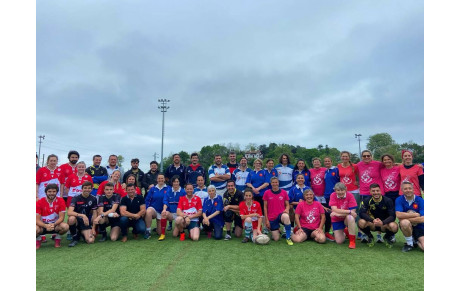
(210, 265)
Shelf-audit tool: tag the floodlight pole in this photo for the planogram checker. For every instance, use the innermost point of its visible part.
(40, 146)
(163, 108)
(358, 136)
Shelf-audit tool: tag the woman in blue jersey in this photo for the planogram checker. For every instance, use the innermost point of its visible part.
(170, 202)
(258, 181)
(295, 195)
(154, 204)
(301, 168)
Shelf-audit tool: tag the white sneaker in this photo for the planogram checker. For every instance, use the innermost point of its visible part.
(227, 237)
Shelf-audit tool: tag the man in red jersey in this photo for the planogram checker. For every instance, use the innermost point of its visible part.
(50, 215)
(68, 169)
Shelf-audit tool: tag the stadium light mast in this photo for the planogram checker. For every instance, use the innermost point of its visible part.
(358, 136)
(40, 146)
(163, 108)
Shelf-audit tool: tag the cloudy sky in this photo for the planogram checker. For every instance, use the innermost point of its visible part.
(297, 72)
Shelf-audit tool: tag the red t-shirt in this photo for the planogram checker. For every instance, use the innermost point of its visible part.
(348, 176)
(347, 203)
(309, 214)
(391, 179)
(50, 212)
(275, 203)
(253, 208)
(411, 175)
(44, 177)
(369, 174)
(74, 183)
(317, 181)
(67, 170)
(190, 207)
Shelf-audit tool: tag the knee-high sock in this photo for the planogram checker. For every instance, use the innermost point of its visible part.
(247, 229)
(367, 231)
(163, 223)
(287, 228)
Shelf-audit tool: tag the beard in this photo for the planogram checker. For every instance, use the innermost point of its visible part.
(73, 162)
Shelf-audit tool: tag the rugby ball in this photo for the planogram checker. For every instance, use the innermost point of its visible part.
(262, 239)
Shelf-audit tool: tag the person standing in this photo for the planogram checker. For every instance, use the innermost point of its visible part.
(67, 169)
(240, 174)
(97, 173)
(219, 174)
(150, 178)
(175, 169)
(411, 173)
(194, 170)
(138, 173)
(232, 164)
(285, 170)
(113, 166)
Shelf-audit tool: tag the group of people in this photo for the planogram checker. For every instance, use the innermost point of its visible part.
(288, 201)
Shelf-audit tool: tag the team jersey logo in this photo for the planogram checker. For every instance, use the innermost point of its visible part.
(311, 216)
(390, 183)
(415, 206)
(333, 173)
(365, 177)
(260, 174)
(317, 180)
(346, 180)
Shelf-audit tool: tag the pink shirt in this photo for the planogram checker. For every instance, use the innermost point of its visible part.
(348, 203)
(391, 179)
(369, 174)
(348, 176)
(411, 175)
(275, 203)
(309, 214)
(317, 181)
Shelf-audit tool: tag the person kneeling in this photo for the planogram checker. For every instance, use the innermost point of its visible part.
(251, 214)
(82, 212)
(377, 213)
(212, 213)
(50, 215)
(343, 205)
(309, 218)
(108, 213)
(188, 212)
(132, 210)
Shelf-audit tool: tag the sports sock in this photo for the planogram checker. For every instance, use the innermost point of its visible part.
(39, 238)
(247, 229)
(409, 240)
(102, 228)
(228, 232)
(163, 223)
(367, 231)
(148, 229)
(388, 234)
(287, 228)
(73, 229)
(352, 238)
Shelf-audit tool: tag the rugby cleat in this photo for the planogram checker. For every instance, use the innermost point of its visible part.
(227, 237)
(182, 236)
(162, 237)
(371, 242)
(329, 237)
(352, 245)
(209, 234)
(289, 242)
(74, 243)
(379, 238)
(147, 234)
(245, 240)
(407, 248)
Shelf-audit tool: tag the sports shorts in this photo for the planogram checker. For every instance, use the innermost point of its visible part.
(338, 225)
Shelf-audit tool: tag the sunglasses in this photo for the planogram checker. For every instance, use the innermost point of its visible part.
(366, 156)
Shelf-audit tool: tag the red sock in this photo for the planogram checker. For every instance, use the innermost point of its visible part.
(352, 238)
(163, 223)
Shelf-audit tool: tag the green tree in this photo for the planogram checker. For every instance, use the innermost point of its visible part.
(418, 150)
(392, 149)
(379, 140)
(121, 159)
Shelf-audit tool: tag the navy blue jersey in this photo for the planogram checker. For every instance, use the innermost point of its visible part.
(84, 205)
(107, 203)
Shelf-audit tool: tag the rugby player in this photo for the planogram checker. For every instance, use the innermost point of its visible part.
(170, 202)
(276, 208)
(150, 177)
(50, 215)
(132, 210)
(285, 170)
(232, 164)
(232, 199)
(309, 219)
(175, 169)
(97, 173)
(189, 210)
(377, 213)
(200, 190)
(82, 212)
(68, 169)
(212, 214)
(296, 194)
(47, 175)
(154, 205)
(74, 182)
(218, 175)
(240, 174)
(136, 172)
(108, 213)
(343, 205)
(251, 214)
(410, 211)
(259, 181)
(113, 166)
(194, 170)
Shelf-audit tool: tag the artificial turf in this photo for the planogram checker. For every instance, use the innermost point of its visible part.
(228, 265)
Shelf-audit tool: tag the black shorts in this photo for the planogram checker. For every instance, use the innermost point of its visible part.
(417, 233)
(47, 232)
(81, 225)
(114, 221)
(392, 195)
(308, 232)
(230, 216)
